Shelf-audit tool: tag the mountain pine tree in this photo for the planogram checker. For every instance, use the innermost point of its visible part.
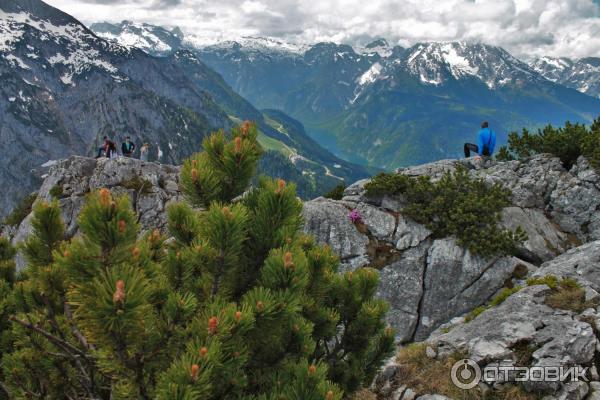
(235, 303)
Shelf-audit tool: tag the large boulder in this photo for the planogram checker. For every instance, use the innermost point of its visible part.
(150, 187)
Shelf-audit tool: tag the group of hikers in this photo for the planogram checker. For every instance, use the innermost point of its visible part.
(109, 149)
(486, 142)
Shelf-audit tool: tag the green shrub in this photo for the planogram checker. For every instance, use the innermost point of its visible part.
(21, 210)
(386, 183)
(336, 193)
(567, 143)
(56, 191)
(240, 304)
(456, 205)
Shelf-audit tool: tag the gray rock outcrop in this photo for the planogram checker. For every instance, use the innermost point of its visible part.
(429, 281)
(525, 330)
(150, 187)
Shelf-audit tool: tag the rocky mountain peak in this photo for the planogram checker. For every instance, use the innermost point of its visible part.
(436, 62)
(582, 75)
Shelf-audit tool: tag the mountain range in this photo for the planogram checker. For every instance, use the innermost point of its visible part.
(388, 106)
(64, 88)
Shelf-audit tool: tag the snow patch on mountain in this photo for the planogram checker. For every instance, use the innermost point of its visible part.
(370, 75)
(143, 36)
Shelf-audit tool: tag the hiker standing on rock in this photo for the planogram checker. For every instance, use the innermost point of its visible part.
(144, 152)
(128, 147)
(486, 141)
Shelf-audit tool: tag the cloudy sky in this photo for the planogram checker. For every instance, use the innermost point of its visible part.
(524, 27)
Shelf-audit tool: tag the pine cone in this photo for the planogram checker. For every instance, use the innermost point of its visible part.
(203, 351)
(245, 127)
(119, 295)
(194, 371)
(105, 197)
(287, 261)
(280, 186)
(213, 324)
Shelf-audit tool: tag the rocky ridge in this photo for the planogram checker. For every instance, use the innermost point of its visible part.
(430, 282)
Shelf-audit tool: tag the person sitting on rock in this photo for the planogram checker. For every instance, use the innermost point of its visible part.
(103, 150)
(128, 147)
(486, 141)
(112, 150)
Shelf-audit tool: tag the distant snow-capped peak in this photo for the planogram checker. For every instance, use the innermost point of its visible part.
(435, 62)
(248, 43)
(582, 75)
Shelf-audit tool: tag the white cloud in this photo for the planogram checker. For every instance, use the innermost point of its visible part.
(524, 27)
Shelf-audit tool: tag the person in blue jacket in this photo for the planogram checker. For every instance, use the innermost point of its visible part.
(486, 141)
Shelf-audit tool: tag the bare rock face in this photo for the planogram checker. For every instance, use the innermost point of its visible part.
(525, 330)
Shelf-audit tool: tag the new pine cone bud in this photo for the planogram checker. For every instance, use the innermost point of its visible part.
(287, 261)
(260, 306)
(238, 316)
(122, 225)
(203, 352)
(237, 145)
(329, 395)
(245, 127)
(280, 186)
(312, 369)
(213, 324)
(119, 295)
(194, 371)
(105, 197)
(194, 175)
